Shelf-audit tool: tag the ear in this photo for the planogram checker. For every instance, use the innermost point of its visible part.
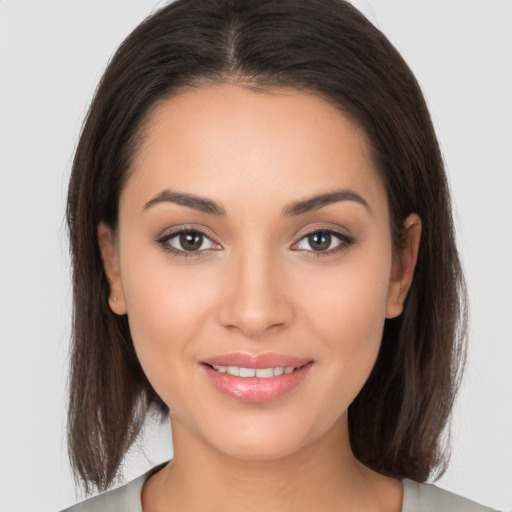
(110, 260)
(403, 266)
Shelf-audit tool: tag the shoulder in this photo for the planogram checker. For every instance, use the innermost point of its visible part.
(126, 498)
(123, 499)
(429, 498)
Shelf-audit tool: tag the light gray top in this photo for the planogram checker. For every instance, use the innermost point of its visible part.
(417, 498)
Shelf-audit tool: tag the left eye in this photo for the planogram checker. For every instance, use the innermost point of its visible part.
(323, 241)
(187, 241)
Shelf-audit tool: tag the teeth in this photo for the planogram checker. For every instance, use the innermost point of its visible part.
(264, 373)
(247, 372)
(234, 370)
(261, 373)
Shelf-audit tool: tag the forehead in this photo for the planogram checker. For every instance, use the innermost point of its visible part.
(224, 141)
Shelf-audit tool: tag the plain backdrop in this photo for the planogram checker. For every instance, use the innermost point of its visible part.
(52, 54)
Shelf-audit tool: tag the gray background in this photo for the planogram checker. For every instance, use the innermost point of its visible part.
(52, 54)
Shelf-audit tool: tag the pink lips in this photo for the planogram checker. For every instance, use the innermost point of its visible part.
(255, 389)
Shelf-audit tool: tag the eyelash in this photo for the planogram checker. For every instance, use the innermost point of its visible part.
(345, 242)
(164, 243)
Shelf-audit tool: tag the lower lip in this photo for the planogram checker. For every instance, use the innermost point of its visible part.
(253, 389)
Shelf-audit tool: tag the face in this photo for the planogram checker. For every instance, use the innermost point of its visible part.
(254, 233)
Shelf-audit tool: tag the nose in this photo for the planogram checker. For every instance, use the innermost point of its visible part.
(256, 301)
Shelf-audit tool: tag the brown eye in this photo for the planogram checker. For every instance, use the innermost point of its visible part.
(187, 242)
(320, 241)
(191, 240)
(324, 242)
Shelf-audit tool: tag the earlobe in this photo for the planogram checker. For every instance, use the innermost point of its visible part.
(403, 266)
(109, 257)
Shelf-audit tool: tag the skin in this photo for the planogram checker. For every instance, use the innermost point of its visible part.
(256, 286)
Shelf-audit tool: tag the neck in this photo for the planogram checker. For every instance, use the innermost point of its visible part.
(322, 476)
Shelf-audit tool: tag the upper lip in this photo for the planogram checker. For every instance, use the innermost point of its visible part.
(267, 360)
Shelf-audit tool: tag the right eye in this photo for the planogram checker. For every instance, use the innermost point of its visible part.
(187, 242)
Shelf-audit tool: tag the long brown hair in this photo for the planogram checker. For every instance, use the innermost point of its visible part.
(322, 46)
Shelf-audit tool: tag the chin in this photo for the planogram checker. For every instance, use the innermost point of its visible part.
(261, 440)
(258, 450)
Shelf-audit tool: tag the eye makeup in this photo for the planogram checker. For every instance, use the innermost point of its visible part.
(194, 243)
(322, 242)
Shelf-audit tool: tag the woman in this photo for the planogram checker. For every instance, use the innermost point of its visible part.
(262, 243)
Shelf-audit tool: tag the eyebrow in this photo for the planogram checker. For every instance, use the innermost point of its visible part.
(296, 208)
(192, 201)
(319, 201)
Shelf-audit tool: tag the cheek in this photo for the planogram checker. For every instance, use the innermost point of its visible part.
(345, 309)
(167, 306)
(349, 301)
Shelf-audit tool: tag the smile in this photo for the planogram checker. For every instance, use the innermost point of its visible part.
(255, 378)
(260, 373)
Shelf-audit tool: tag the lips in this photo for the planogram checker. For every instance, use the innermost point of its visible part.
(255, 378)
(267, 360)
